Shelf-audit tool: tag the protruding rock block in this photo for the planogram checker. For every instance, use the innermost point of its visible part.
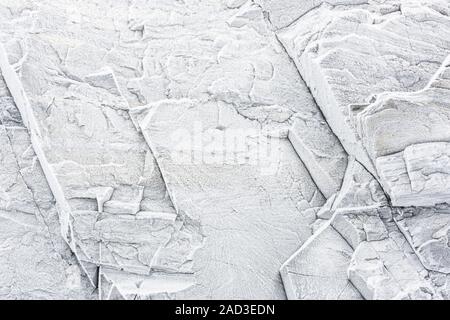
(345, 77)
(225, 175)
(411, 151)
(427, 230)
(99, 167)
(381, 271)
(418, 176)
(318, 270)
(321, 152)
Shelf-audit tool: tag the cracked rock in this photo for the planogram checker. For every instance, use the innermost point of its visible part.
(225, 149)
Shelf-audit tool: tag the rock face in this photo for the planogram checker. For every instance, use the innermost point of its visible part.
(321, 152)
(346, 77)
(417, 176)
(234, 214)
(319, 269)
(36, 262)
(387, 102)
(225, 149)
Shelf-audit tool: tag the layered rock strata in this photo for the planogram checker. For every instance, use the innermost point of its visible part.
(36, 262)
(387, 102)
(196, 148)
(114, 209)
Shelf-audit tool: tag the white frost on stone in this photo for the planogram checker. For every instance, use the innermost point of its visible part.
(35, 261)
(427, 230)
(345, 76)
(381, 271)
(188, 140)
(321, 152)
(318, 270)
(418, 176)
(190, 149)
(99, 168)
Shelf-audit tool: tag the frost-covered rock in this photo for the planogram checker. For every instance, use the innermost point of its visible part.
(398, 120)
(381, 271)
(346, 76)
(191, 149)
(113, 206)
(418, 176)
(412, 154)
(79, 81)
(318, 270)
(199, 147)
(35, 261)
(321, 152)
(427, 230)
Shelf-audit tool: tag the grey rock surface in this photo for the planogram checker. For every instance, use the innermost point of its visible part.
(345, 77)
(225, 149)
(234, 214)
(319, 269)
(35, 261)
